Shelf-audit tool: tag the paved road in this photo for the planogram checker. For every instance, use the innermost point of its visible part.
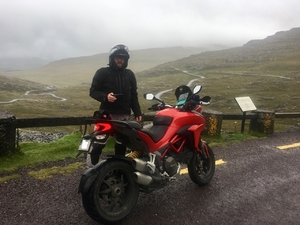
(256, 182)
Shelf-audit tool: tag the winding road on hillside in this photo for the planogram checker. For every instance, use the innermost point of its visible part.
(186, 72)
(45, 92)
(158, 95)
(35, 93)
(233, 73)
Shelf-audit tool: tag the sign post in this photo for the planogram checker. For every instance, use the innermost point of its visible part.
(245, 104)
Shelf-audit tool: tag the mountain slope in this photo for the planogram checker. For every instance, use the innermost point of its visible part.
(278, 54)
(266, 70)
(75, 71)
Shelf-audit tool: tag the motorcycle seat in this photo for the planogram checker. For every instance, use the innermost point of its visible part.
(159, 128)
(135, 125)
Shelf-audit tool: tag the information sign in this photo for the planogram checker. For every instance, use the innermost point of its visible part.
(245, 103)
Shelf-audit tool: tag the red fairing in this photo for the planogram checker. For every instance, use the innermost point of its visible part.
(198, 108)
(180, 119)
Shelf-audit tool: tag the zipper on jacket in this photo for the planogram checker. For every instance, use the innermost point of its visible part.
(120, 82)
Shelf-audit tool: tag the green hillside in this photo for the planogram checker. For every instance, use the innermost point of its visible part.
(268, 71)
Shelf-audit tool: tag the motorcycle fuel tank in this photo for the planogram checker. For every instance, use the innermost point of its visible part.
(182, 118)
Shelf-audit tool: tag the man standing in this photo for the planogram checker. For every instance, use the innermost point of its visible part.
(116, 88)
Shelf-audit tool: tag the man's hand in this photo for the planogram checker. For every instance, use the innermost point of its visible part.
(138, 119)
(111, 97)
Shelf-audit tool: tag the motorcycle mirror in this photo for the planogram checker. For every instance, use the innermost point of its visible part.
(149, 96)
(197, 89)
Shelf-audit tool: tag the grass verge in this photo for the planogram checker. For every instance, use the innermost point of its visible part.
(31, 154)
(230, 138)
(49, 172)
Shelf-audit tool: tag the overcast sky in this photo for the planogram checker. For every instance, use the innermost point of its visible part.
(53, 29)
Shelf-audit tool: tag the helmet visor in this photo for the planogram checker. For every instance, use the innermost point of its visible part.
(119, 50)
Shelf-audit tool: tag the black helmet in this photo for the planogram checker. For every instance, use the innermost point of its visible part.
(183, 91)
(119, 50)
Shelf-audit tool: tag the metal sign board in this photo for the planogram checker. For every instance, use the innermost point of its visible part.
(245, 103)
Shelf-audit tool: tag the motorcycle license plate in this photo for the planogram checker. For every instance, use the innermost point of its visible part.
(84, 145)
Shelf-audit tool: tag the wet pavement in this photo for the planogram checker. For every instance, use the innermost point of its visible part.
(256, 182)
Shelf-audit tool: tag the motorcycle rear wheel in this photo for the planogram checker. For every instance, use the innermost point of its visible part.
(201, 170)
(114, 193)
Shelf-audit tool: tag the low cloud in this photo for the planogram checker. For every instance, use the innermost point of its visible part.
(60, 29)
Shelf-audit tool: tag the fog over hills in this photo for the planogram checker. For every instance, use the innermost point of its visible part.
(276, 54)
(78, 70)
(25, 63)
(267, 70)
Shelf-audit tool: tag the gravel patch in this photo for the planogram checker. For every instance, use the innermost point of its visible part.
(37, 136)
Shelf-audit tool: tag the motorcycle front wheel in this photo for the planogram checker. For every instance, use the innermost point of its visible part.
(201, 170)
(114, 193)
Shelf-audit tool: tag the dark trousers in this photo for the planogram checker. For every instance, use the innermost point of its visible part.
(97, 147)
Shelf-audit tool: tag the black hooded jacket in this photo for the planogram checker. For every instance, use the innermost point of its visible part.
(120, 82)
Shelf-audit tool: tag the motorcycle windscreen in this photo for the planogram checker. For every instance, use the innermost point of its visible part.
(182, 99)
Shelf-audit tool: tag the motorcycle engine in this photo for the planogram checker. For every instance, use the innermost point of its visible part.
(171, 166)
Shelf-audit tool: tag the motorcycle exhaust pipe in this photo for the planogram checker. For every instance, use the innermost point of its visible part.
(142, 179)
(139, 165)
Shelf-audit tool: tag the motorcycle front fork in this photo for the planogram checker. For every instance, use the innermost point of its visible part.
(204, 149)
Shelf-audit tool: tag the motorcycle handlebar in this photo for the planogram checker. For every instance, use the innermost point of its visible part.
(204, 103)
(189, 105)
(157, 107)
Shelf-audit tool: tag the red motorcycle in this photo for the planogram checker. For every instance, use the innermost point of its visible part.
(111, 188)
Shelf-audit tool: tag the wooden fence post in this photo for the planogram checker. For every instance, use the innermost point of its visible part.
(7, 133)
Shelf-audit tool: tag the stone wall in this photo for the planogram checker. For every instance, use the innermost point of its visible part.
(7, 134)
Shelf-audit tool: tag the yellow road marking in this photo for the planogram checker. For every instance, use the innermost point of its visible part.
(218, 162)
(184, 171)
(288, 146)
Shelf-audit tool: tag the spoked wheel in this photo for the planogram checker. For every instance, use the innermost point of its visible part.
(114, 193)
(89, 207)
(201, 170)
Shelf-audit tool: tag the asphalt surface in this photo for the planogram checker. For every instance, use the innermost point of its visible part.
(256, 182)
